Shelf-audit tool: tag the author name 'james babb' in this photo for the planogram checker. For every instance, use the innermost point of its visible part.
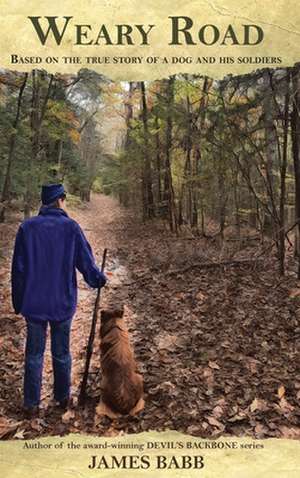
(144, 462)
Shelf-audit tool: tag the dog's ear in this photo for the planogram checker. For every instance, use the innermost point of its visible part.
(108, 314)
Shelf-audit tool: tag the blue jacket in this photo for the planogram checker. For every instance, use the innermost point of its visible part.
(48, 249)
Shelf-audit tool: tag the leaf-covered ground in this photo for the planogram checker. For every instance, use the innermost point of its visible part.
(218, 346)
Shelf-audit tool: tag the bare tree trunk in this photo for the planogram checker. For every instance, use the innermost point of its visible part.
(197, 155)
(147, 194)
(34, 124)
(222, 202)
(271, 149)
(183, 212)
(189, 173)
(295, 125)
(12, 142)
(124, 193)
(158, 161)
(202, 212)
(38, 110)
(59, 154)
(237, 203)
(283, 177)
(168, 182)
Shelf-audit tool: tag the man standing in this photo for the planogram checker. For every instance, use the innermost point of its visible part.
(48, 250)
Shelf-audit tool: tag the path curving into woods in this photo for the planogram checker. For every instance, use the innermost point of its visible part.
(218, 347)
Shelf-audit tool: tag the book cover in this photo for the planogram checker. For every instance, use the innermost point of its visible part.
(149, 238)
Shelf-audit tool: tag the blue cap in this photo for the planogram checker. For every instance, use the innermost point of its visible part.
(51, 192)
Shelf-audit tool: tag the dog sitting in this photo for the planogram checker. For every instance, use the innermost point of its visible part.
(122, 387)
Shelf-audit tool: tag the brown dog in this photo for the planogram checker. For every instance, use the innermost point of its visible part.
(122, 387)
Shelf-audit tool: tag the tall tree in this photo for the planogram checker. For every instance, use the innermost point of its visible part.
(39, 102)
(168, 181)
(147, 193)
(295, 126)
(12, 143)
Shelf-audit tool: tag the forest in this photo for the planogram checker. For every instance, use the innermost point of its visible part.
(186, 149)
(193, 184)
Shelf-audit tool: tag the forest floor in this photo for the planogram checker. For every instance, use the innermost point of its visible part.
(218, 346)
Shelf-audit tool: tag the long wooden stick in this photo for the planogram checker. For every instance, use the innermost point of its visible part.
(89, 352)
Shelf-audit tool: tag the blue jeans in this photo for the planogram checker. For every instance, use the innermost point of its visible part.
(34, 359)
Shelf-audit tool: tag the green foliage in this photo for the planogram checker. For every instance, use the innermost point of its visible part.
(48, 144)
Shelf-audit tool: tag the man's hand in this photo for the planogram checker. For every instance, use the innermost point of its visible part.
(102, 280)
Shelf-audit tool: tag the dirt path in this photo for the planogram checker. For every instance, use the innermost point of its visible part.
(102, 223)
(218, 348)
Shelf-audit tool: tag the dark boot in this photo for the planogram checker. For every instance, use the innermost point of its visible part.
(65, 404)
(32, 412)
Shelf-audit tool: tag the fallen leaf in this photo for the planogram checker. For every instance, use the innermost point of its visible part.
(214, 422)
(252, 365)
(200, 296)
(112, 432)
(168, 341)
(67, 416)
(179, 295)
(164, 387)
(260, 430)
(35, 424)
(213, 365)
(207, 372)
(193, 430)
(217, 411)
(281, 391)
(7, 427)
(289, 432)
(294, 293)
(238, 417)
(285, 405)
(258, 404)
(19, 435)
(254, 405)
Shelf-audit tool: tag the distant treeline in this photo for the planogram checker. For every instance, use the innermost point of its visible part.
(198, 149)
(48, 132)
